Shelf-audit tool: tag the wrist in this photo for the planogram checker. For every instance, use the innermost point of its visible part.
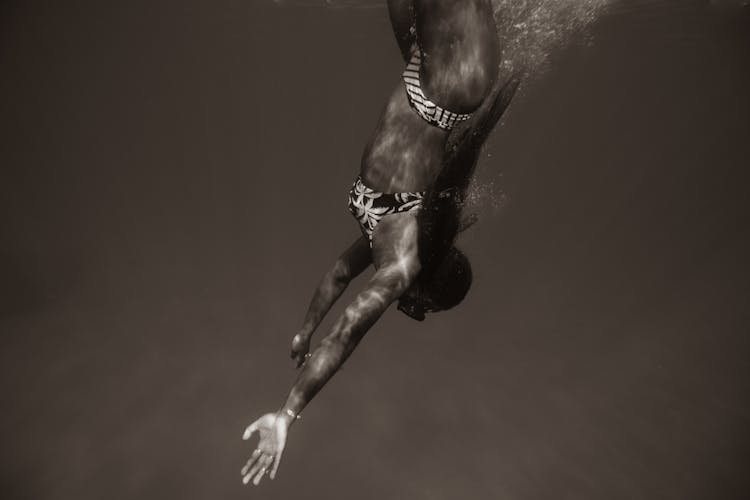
(287, 417)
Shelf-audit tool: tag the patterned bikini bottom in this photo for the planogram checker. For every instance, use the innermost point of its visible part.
(369, 206)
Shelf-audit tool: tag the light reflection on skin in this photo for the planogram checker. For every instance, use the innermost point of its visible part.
(405, 154)
(397, 268)
(401, 156)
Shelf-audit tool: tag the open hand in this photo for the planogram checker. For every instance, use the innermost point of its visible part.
(266, 457)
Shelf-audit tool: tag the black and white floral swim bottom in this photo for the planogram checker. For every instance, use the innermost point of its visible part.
(369, 206)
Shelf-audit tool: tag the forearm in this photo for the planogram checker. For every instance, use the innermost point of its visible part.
(325, 361)
(348, 266)
(328, 292)
(344, 337)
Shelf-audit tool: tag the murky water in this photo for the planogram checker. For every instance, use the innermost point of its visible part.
(530, 30)
(174, 184)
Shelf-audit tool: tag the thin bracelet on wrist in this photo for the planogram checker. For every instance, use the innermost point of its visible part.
(292, 414)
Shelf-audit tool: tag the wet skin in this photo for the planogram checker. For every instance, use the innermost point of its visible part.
(459, 48)
(460, 51)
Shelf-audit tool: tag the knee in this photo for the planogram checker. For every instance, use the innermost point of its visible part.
(461, 53)
(472, 78)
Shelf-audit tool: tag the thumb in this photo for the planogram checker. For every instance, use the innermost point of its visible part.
(249, 431)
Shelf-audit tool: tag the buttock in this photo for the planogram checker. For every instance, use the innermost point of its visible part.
(369, 206)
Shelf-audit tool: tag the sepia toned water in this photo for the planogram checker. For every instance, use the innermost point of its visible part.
(173, 180)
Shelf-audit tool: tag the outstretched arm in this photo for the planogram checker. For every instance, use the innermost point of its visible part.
(386, 286)
(396, 273)
(348, 266)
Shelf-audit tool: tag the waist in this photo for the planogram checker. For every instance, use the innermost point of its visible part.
(405, 153)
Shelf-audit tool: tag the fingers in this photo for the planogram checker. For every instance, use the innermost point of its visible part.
(258, 470)
(303, 360)
(300, 349)
(298, 359)
(254, 469)
(253, 458)
(267, 460)
(276, 461)
(300, 356)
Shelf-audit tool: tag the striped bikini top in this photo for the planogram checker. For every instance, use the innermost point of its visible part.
(431, 112)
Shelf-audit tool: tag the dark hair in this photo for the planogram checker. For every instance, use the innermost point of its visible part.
(442, 289)
(450, 282)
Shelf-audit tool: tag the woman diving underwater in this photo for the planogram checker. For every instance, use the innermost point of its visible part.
(407, 198)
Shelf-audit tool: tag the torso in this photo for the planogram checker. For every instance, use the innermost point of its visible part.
(405, 152)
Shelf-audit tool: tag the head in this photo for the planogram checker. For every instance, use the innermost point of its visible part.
(444, 289)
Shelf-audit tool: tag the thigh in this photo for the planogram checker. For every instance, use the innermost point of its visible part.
(401, 13)
(460, 51)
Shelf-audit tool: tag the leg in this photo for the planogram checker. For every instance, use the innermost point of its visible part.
(460, 51)
(402, 19)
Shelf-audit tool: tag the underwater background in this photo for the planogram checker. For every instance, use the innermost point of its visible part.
(173, 181)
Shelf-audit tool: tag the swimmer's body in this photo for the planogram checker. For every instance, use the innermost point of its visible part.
(457, 51)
